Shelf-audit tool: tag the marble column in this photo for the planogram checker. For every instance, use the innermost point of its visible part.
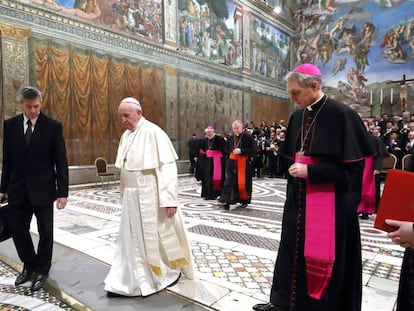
(246, 41)
(170, 23)
(14, 67)
(247, 103)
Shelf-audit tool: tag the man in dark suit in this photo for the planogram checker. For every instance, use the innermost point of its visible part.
(34, 175)
(193, 146)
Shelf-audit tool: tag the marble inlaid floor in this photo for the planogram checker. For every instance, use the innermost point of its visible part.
(20, 298)
(234, 251)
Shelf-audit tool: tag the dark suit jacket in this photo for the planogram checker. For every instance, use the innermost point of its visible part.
(37, 172)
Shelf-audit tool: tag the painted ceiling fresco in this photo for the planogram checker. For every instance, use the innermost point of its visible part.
(269, 50)
(211, 29)
(364, 49)
(137, 17)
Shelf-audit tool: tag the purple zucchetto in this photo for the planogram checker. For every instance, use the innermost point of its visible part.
(209, 128)
(308, 69)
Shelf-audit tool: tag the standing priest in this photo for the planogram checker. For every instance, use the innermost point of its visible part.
(212, 147)
(319, 265)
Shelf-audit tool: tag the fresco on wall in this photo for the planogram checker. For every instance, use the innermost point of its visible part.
(269, 50)
(138, 17)
(203, 103)
(211, 29)
(365, 50)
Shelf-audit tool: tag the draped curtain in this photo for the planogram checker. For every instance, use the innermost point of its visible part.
(82, 90)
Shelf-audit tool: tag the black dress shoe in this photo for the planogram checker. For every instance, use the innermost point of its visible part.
(226, 206)
(114, 295)
(38, 282)
(264, 307)
(243, 205)
(175, 282)
(23, 277)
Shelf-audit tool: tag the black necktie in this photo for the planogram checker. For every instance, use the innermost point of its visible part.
(28, 134)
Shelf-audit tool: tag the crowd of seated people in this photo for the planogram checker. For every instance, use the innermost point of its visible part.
(396, 132)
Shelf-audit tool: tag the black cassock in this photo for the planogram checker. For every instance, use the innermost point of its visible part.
(230, 192)
(338, 137)
(216, 143)
(405, 299)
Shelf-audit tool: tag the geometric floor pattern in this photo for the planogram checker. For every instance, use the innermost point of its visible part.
(19, 298)
(257, 227)
(234, 250)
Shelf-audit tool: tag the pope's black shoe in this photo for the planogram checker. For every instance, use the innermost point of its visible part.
(38, 282)
(264, 307)
(175, 282)
(23, 277)
(113, 295)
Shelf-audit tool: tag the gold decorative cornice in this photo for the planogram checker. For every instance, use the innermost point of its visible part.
(13, 32)
(171, 70)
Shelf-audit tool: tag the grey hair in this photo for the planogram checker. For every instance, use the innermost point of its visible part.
(133, 101)
(30, 93)
(304, 80)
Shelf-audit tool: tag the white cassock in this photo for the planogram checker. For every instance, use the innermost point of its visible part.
(152, 249)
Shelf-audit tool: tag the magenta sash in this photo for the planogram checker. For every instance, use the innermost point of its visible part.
(216, 155)
(367, 203)
(319, 233)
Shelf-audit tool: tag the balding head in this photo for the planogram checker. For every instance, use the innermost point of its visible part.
(237, 127)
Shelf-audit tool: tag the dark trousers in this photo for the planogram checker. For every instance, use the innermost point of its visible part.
(20, 218)
(193, 165)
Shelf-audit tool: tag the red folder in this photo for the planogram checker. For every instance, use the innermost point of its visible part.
(397, 200)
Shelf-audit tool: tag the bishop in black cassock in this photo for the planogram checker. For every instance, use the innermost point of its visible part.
(319, 263)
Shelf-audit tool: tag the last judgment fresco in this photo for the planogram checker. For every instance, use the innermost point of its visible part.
(365, 49)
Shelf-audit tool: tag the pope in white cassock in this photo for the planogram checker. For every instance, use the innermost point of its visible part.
(152, 248)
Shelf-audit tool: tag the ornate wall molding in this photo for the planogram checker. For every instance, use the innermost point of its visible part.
(46, 23)
(14, 71)
(13, 32)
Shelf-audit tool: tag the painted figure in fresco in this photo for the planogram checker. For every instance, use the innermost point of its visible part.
(189, 35)
(403, 94)
(325, 49)
(348, 41)
(339, 65)
(88, 9)
(361, 57)
(368, 34)
(393, 50)
(355, 79)
(346, 90)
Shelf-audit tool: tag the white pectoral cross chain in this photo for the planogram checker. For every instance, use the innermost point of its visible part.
(129, 143)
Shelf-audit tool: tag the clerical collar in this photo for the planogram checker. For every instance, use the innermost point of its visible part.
(314, 105)
(210, 138)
